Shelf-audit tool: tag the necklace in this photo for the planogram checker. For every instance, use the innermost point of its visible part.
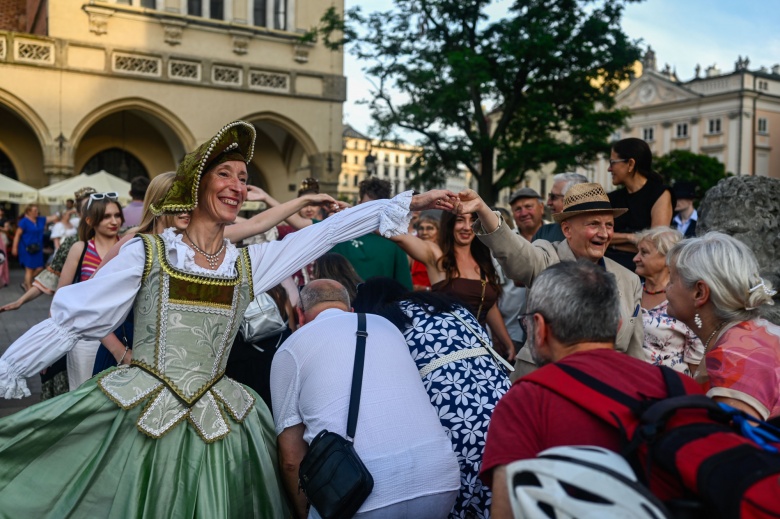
(646, 291)
(715, 331)
(213, 259)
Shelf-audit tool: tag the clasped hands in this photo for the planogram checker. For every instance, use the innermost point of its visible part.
(467, 201)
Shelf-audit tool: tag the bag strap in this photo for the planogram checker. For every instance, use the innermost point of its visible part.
(481, 339)
(77, 275)
(600, 399)
(357, 377)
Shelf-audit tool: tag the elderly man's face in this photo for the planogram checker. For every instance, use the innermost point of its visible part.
(589, 234)
(555, 198)
(528, 213)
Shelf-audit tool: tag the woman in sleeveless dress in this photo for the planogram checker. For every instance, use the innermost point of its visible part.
(168, 435)
(461, 266)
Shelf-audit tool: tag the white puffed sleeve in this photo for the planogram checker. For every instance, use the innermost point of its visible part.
(88, 310)
(274, 261)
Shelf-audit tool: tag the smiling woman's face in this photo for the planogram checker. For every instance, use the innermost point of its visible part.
(222, 192)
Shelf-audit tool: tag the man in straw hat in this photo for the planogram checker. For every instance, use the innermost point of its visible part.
(587, 221)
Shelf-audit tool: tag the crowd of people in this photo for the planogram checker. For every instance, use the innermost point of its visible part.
(161, 399)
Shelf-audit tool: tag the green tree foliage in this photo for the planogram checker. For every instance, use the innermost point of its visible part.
(682, 165)
(500, 96)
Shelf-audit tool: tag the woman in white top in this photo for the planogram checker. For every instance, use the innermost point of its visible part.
(119, 443)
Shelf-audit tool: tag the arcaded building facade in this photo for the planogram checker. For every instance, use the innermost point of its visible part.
(130, 86)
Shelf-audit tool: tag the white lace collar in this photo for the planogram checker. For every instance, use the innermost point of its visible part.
(182, 256)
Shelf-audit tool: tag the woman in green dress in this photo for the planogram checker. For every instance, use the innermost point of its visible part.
(169, 435)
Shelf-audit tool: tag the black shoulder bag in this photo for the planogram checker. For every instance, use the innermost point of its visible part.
(332, 475)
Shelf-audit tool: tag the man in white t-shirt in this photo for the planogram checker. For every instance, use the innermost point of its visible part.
(398, 436)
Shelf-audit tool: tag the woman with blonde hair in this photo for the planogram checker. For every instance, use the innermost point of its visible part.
(667, 341)
(715, 288)
(170, 435)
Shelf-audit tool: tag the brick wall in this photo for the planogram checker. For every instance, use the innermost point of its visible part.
(13, 15)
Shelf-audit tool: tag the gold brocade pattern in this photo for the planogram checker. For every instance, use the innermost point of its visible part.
(181, 348)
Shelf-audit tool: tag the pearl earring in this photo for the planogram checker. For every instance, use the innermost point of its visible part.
(697, 320)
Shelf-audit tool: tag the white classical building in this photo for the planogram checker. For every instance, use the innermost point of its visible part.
(731, 116)
(131, 85)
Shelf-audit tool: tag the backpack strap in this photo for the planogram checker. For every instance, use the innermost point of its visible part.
(591, 394)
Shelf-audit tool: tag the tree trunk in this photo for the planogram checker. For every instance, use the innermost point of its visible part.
(485, 186)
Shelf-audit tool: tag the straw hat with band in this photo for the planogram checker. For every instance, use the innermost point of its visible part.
(584, 199)
(235, 141)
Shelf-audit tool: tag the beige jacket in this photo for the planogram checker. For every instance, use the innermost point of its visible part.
(522, 261)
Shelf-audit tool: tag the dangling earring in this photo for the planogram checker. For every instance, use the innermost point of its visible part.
(697, 320)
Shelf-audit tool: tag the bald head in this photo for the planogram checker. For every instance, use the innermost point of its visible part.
(322, 294)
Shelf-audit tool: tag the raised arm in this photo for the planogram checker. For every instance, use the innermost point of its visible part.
(276, 214)
(272, 262)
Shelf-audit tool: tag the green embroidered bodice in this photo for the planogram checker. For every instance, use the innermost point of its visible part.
(184, 328)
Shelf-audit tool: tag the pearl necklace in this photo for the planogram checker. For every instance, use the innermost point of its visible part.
(213, 259)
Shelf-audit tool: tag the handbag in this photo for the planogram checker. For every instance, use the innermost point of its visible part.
(332, 475)
(33, 248)
(262, 319)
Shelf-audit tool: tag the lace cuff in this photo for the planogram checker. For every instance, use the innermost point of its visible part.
(11, 384)
(395, 217)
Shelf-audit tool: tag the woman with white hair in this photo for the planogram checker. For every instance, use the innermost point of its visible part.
(715, 289)
(667, 341)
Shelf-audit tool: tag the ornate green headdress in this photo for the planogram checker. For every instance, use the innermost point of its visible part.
(235, 141)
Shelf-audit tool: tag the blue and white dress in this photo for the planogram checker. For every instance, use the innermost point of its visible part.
(463, 391)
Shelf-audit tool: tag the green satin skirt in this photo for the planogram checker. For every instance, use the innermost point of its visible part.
(80, 455)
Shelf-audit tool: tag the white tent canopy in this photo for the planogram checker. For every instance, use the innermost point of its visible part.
(15, 192)
(102, 182)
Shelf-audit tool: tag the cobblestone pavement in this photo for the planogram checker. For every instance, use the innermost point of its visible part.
(12, 326)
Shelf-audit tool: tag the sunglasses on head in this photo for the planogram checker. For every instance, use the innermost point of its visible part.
(113, 195)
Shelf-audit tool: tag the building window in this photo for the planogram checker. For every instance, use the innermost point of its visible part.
(682, 130)
(280, 15)
(217, 9)
(714, 126)
(356, 159)
(195, 7)
(763, 125)
(763, 85)
(259, 10)
(150, 4)
(119, 162)
(396, 158)
(355, 181)
(648, 134)
(344, 159)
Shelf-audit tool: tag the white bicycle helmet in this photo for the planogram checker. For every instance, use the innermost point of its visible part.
(579, 482)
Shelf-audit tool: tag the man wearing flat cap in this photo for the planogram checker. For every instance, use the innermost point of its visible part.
(587, 221)
(527, 211)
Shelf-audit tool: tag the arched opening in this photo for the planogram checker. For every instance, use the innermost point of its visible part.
(128, 143)
(20, 148)
(281, 159)
(118, 162)
(6, 166)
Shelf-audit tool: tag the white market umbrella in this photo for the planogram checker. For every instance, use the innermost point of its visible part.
(15, 192)
(102, 182)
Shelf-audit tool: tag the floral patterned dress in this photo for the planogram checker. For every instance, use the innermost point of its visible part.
(669, 342)
(464, 392)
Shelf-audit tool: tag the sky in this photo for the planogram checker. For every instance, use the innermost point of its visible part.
(682, 33)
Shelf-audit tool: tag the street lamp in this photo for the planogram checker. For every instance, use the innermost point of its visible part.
(370, 164)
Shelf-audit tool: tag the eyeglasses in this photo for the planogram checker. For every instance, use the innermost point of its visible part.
(113, 195)
(612, 162)
(524, 319)
(553, 196)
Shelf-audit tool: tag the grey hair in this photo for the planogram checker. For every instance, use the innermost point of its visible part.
(663, 238)
(729, 269)
(316, 293)
(570, 179)
(579, 300)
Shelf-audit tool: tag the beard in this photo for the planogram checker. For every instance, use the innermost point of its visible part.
(538, 359)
